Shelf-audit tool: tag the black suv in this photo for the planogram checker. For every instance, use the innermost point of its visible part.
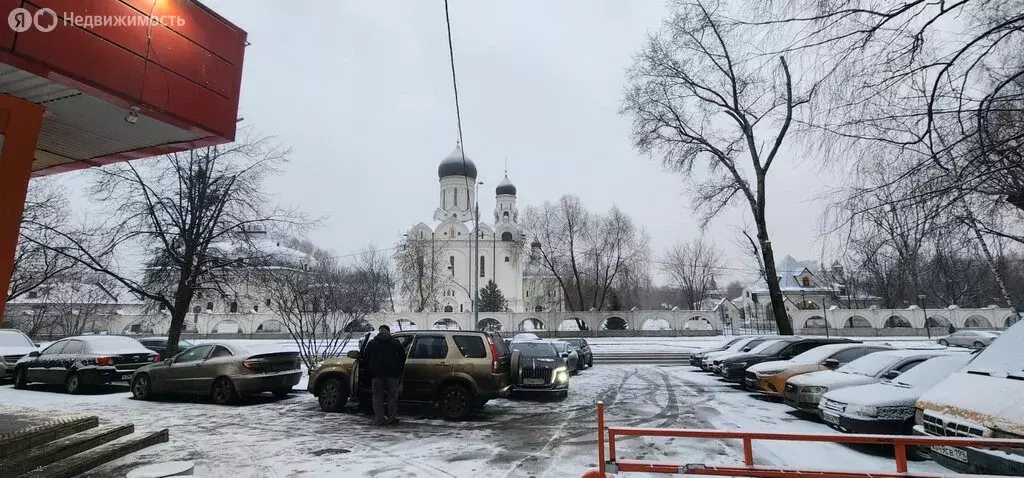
(583, 350)
(734, 368)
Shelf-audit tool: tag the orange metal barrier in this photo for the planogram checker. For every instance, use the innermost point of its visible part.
(899, 442)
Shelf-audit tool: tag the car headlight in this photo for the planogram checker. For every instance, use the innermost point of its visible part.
(737, 365)
(562, 377)
(871, 412)
(919, 417)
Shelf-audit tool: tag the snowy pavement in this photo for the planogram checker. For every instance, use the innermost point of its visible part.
(268, 437)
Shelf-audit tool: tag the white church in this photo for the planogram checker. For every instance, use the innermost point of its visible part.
(502, 256)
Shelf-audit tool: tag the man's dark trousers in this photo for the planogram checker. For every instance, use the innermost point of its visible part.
(386, 386)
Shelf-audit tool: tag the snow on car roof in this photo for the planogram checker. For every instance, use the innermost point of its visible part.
(111, 344)
(1003, 356)
(818, 354)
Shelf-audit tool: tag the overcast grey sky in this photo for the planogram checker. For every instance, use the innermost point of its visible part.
(361, 90)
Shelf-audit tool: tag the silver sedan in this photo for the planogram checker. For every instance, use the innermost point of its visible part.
(969, 338)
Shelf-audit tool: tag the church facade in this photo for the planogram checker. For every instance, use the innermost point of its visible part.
(499, 255)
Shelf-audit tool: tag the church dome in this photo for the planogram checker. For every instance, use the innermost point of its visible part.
(505, 187)
(453, 165)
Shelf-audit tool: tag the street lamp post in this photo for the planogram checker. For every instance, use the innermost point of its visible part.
(920, 301)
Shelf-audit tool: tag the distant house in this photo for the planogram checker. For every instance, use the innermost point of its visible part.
(805, 285)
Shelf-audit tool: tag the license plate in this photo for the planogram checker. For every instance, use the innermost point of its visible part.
(957, 454)
(126, 376)
(830, 418)
(533, 381)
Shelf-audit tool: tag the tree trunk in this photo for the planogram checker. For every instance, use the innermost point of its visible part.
(992, 264)
(772, 279)
(182, 299)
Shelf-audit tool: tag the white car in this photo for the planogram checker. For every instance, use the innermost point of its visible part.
(887, 407)
(804, 392)
(13, 346)
(969, 338)
(741, 347)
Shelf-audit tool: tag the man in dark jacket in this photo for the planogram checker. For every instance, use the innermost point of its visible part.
(385, 358)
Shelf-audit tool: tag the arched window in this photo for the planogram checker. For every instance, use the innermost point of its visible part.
(504, 217)
(234, 307)
(451, 264)
(467, 197)
(807, 281)
(444, 197)
(267, 302)
(506, 258)
(506, 236)
(255, 307)
(448, 308)
(460, 308)
(209, 306)
(482, 266)
(456, 197)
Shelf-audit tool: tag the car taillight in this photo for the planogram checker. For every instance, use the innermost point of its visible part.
(253, 365)
(494, 355)
(104, 361)
(155, 357)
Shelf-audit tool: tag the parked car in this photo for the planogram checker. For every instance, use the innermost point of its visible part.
(734, 368)
(84, 361)
(697, 355)
(969, 338)
(224, 372)
(743, 346)
(981, 400)
(457, 370)
(583, 350)
(770, 377)
(159, 344)
(886, 407)
(537, 367)
(520, 337)
(13, 346)
(804, 392)
(565, 350)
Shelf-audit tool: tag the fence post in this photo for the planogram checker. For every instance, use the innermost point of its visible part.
(748, 452)
(600, 437)
(901, 457)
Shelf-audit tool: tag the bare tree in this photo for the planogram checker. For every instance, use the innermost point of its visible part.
(194, 213)
(692, 268)
(587, 254)
(374, 278)
(698, 98)
(46, 207)
(420, 272)
(319, 306)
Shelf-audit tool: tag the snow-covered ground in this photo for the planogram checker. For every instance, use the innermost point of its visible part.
(268, 437)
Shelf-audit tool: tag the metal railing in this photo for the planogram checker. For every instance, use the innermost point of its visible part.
(898, 442)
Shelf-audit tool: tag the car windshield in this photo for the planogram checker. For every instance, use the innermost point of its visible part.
(770, 347)
(575, 342)
(561, 346)
(932, 371)
(818, 354)
(14, 340)
(534, 349)
(871, 364)
(736, 347)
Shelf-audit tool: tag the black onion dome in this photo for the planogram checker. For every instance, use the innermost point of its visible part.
(453, 165)
(505, 187)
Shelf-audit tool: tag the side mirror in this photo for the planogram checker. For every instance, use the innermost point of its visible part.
(33, 354)
(832, 363)
(353, 354)
(565, 354)
(892, 374)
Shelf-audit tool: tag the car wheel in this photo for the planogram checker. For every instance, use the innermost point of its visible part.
(73, 384)
(978, 345)
(142, 387)
(455, 402)
(332, 395)
(19, 378)
(944, 342)
(223, 392)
